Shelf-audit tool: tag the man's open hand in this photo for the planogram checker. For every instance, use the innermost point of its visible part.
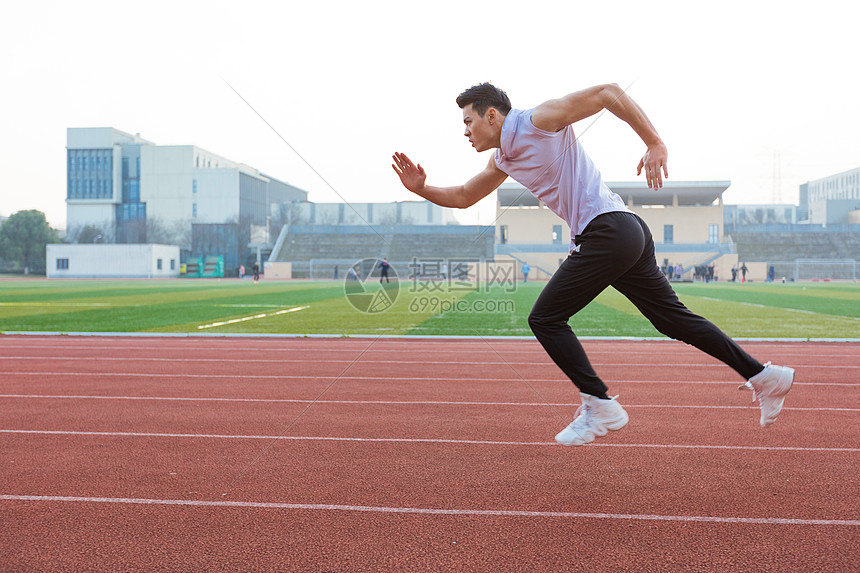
(654, 160)
(411, 175)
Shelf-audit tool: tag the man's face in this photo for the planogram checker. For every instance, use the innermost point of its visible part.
(479, 130)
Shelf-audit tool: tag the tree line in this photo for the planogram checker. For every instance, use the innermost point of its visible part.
(23, 237)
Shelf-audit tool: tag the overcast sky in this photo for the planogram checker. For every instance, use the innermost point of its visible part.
(730, 86)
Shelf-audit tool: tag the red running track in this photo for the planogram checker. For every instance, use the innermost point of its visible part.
(203, 454)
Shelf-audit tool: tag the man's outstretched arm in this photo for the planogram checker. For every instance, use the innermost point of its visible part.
(556, 114)
(414, 178)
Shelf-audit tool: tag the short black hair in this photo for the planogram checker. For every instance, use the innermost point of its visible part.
(483, 97)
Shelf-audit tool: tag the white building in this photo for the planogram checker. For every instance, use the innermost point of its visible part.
(133, 191)
(111, 261)
(834, 199)
(396, 213)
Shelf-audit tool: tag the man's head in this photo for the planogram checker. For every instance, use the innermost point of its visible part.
(484, 96)
(484, 109)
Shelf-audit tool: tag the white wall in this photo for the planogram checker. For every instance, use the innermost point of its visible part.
(166, 182)
(217, 195)
(82, 212)
(115, 261)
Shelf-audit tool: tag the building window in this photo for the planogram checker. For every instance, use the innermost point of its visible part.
(668, 234)
(62, 264)
(89, 174)
(194, 186)
(503, 234)
(172, 264)
(158, 264)
(556, 234)
(194, 210)
(713, 234)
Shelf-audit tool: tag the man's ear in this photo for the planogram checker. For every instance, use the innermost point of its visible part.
(491, 115)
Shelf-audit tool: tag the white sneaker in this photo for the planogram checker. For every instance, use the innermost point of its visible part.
(770, 387)
(593, 419)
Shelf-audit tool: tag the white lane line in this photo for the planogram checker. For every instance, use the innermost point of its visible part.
(437, 511)
(63, 304)
(464, 379)
(256, 316)
(519, 349)
(395, 402)
(249, 305)
(340, 361)
(415, 441)
(425, 339)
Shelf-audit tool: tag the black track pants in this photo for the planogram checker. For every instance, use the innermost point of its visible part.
(616, 249)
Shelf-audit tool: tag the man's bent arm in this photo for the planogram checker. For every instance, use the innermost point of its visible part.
(459, 196)
(556, 114)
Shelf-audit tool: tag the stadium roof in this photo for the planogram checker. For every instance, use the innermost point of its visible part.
(688, 193)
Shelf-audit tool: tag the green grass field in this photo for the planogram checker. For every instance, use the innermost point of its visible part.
(752, 310)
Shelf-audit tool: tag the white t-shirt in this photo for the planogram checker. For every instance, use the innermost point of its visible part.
(555, 168)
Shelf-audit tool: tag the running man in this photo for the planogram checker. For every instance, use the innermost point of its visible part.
(610, 245)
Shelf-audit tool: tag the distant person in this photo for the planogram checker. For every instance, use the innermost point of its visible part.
(350, 274)
(734, 274)
(611, 246)
(771, 273)
(710, 273)
(744, 273)
(256, 270)
(335, 272)
(526, 269)
(241, 271)
(383, 274)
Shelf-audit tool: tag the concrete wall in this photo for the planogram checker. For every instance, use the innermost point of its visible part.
(100, 214)
(166, 182)
(113, 261)
(690, 224)
(832, 211)
(530, 225)
(217, 195)
(278, 271)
